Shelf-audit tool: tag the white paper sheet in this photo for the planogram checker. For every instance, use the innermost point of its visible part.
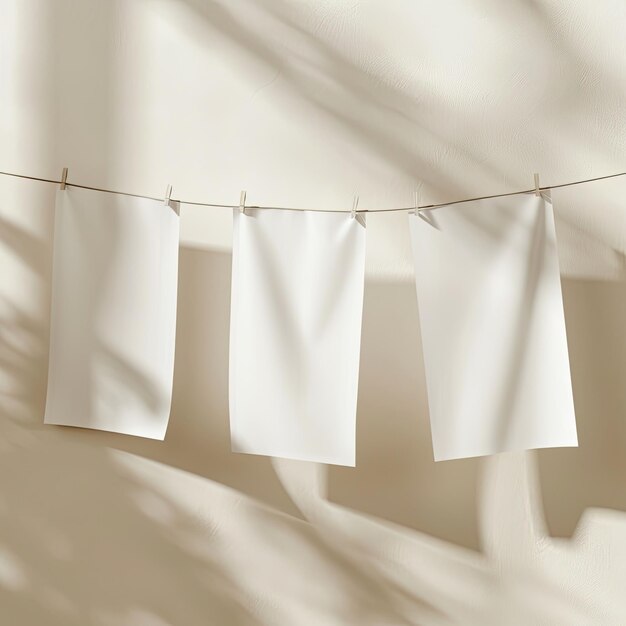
(296, 305)
(113, 318)
(493, 330)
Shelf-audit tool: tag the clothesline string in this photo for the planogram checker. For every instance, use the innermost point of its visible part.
(236, 206)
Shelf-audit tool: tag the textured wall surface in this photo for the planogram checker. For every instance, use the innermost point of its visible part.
(307, 104)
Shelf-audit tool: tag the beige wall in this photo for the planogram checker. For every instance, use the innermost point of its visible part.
(308, 103)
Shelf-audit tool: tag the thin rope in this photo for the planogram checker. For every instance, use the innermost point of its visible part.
(284, 208)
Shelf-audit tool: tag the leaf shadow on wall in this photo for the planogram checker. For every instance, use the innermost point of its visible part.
(70, 515)
(42, 483)
(402, 129)
(88, 538)
(383, 119)
(83, 540)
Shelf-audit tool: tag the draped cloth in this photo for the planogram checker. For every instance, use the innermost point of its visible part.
(296, 305)
(493, 329)
(113, 316)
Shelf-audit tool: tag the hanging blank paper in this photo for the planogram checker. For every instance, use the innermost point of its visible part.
(113, 317)
(493, 331)
(296, 304)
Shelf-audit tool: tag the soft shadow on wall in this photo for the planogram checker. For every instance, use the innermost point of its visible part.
(385, 121)
(91, 536)
(395, 477)
(199, 443)
(85, 541)
(406, 488)
(592, 475)
(406, 123)
(388, 121)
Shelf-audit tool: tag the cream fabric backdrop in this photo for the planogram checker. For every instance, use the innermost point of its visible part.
(308, 104)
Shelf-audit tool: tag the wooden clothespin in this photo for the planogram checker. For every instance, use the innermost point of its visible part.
(355, 204)
(537, 186)
(63, 178)
(242, 202)
(417, 194)
(168, 195)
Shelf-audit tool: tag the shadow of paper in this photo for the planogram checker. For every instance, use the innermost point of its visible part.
(591, 475)
(395, 477)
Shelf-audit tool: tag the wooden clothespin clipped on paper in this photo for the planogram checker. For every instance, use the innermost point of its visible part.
(537, 186)
(168, 195)
(63, 178)
(242, 202)
(355, 205)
